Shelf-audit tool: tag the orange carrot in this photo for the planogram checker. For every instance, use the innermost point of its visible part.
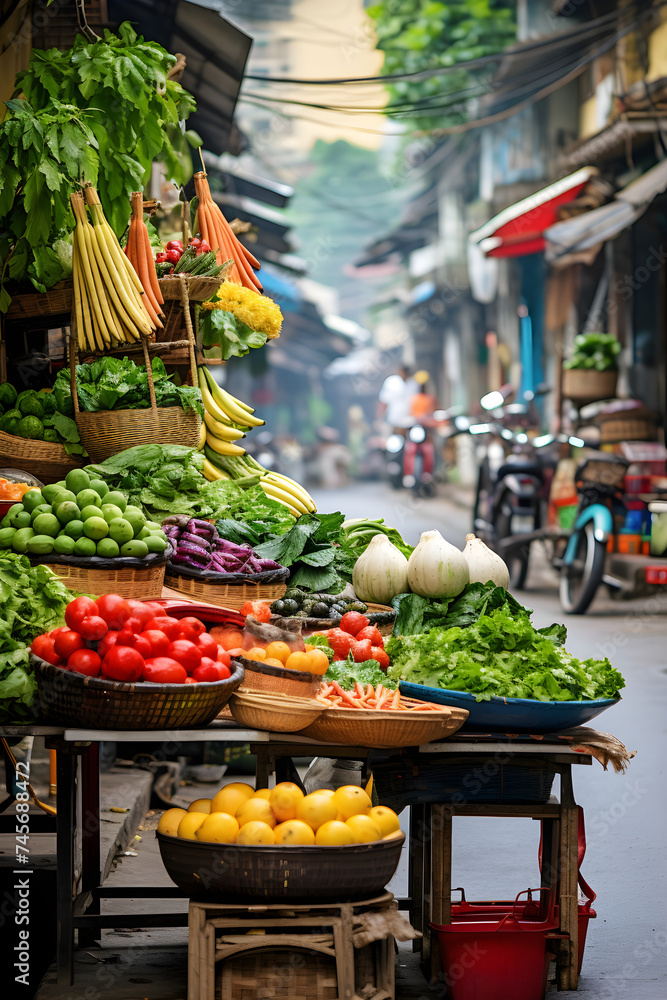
(152, 273)
(344, 695)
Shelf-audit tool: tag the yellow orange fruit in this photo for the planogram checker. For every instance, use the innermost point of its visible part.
(169, 821)
(218, 828)
(324, 791)
(256, 809)
(255, 832)
(351, 800)
(231, 797)
(396, 835)
(319, 661)
(278, 651)
(298, 661)
(363, 829)
(262, 793)
(307, 646)
(256, 653)
(294, 831)
(385, 818)
(284, 799)
(187, 828)
(271, 661)
(334, 832)
(316, 809)
(200, 806)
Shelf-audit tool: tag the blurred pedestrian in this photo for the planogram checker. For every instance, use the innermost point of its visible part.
(395, 400)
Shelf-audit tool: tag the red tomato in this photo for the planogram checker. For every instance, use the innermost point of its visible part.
(173, 256)
(378, 653)
(186, 653)
(191, 628)
(161, 258)
(85, 661)
(207, 644)
(78, 609)
(370, 632)
(224, 657)
(157, 611)
(54, 633)
(189, 680)
(208, 671)
(134, 641)
(205, 247)
(340, 642)
(43, 647)
(122, 663)
(174, 245)
(141, 612)
(114, 609)
(105, 644)
(164, 670)
(361, 650)
(170, 626)
(353, 622)
(93, 627)
(159, 642)
(257, 609)
(195, 242)
(67, 643)
(225, 672)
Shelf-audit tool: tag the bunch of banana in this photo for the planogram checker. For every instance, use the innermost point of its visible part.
(108, 296)
(226, 420)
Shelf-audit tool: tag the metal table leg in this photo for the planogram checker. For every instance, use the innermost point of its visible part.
(568, 895)
(91, 876)
(67, 764)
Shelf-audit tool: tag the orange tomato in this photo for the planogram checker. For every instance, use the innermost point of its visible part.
(319, 661)
(298, 661)
(256, 653)
(228, 638)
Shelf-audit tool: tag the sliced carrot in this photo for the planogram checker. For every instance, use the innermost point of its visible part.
(347, 698)
(396, 702)
(358, 690)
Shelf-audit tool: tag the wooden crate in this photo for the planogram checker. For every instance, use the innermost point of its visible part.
(274, 952)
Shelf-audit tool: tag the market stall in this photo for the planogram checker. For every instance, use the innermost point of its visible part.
(157, 580)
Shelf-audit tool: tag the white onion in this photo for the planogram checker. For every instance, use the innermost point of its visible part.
(436, 568)
(380, 572)
(484, 564)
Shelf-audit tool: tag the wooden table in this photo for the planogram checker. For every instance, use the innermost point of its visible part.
(430, 849)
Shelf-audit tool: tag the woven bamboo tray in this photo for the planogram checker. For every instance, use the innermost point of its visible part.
(261, 873)
(585, 385)
(627, 429)
(264, 677)
(140, 583)
(376, 728)
(276, 713)
(48, 462)
(56, 302)
(98, 703)
(199, 289)
(225, 595)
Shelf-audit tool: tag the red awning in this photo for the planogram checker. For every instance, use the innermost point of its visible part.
(519, 229)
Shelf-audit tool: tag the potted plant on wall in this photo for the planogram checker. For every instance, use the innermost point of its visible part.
(591, 372)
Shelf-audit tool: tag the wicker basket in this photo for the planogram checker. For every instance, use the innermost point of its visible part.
(73, 699)
(238, 873)
(264, 677)
(585, 385)
(140, 583)
(48, 462)
(627, 429)
(276, 713)
(225, 595)
(56, 302)
(179, 293)
(368, 727)
(106, 433)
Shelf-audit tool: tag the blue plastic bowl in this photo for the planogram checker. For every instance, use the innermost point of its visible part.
(512, 715)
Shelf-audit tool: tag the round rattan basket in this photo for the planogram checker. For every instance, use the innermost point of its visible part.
(225, 595)
(585, 385)
(141, 583)
(107, 432)
(377, 728)
(49, 462)
(73, 699)
(199, 289)
(238, 873)
(276, 713)
(264, 677)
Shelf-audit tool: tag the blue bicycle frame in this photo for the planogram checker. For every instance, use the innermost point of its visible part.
(603, 526)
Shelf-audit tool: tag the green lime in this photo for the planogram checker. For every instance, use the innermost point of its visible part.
(91, 511)
(110, 510)
(136, 548)
(63, 545)
(99, 486)
(41, 545)
(67, 511)
(6, 536)
(5, 522)
(115, 496)
(44, 508)
(47, 524)
(74, 529)
(155, 544)
(84, 547)
(77, 480)
(108, 548)
(153, 526)
(51, 491)
(16, 508)
(20, 520)
(32, 499)
(21, 539)
(144, 533)
(120, 530)
(63, 495)
(135, 517)
(95, 528)
(88, 498)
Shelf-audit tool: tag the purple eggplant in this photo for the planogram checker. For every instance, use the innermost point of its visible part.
(197, 540)
(199, 556)
(197, 527)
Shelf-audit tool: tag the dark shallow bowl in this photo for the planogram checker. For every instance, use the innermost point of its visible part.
(512, 715)
(239, 873)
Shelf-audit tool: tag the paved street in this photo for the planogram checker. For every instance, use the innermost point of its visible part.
(626, 815)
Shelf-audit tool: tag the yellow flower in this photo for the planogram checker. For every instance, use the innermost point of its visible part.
(259, 312)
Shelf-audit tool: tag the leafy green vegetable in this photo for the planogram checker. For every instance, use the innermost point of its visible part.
(597, 351)
(502, 654)
(357, 534)
(119, 383)
(417, 614)
(220, 328)
(321, 642)
(310, 548)
(347, 673)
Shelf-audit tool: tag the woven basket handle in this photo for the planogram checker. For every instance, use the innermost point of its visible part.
(73, 362)
(149, 374)
(185, 303)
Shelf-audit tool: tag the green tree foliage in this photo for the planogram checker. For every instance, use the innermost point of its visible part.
(416, 35)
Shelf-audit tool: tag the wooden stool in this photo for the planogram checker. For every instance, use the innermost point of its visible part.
(301, 951)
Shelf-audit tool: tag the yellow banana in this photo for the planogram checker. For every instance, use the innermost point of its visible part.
(212, 473)
(228, 405)
(81, 331)
(220, 430)
(210, 404)
(282, 500)
(290, 486)
(132, 317)
(223, 447)
(202, 437)
(274, 491)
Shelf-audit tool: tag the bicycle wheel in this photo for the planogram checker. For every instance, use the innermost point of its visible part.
(580, 580)
(516, 559)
